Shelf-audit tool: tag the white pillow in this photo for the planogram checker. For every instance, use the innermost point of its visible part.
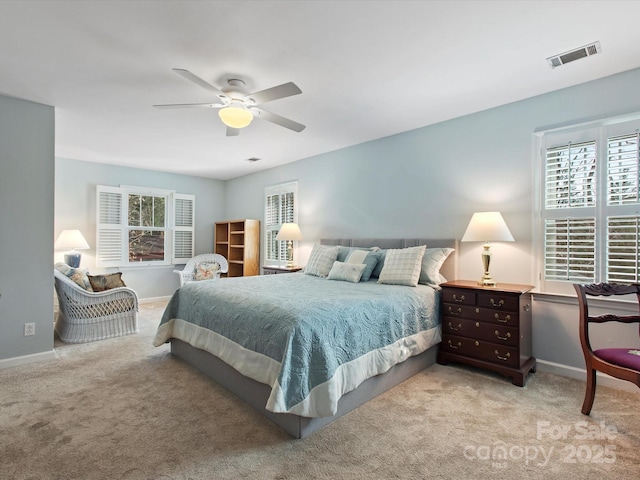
(347, 272)
(402, 266)
(321, 260)
(431, 262)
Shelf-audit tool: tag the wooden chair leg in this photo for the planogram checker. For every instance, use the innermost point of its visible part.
(590, 393)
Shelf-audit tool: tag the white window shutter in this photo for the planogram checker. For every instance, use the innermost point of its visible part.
(110, 234)
(183, 230)
(622, 168)
(280, 207)
(570, 249)
(570, 176)
(623, 248)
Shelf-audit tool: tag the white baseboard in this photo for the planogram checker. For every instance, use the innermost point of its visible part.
(581, 374)
(154, 299)
(26, 359)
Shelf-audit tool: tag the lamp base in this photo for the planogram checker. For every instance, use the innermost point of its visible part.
(72, 259)
(289, 254)
(487, 281)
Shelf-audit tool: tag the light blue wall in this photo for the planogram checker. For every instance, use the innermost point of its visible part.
(428, 182)
(26, 227)
(75, 208)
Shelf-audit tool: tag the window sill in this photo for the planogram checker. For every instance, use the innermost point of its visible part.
(608, 304)
(135, 266)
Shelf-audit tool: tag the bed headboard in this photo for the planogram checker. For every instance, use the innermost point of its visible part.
(449, 269)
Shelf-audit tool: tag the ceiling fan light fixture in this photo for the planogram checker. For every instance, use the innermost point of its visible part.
(235, 117)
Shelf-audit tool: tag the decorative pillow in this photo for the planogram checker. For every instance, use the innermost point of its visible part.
(206, 271)
(100, 283)
(75, 274)
(344, 252)
(431, 262)
(321, 260)
(370, 259)
(402, 266)
(347, 272)
(378, 269)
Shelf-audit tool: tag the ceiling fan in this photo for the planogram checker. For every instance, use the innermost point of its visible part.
(237, 106)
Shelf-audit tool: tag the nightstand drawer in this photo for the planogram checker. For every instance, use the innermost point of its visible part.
(507, 319)
(458, 297)
(481, 331)
(463, 311)
(496, 301)
(482, 350)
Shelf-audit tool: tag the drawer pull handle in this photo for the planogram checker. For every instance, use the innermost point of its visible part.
(498, 304)
(456, 346)
(477, 324)
(477, 343)
(505, 358)
(506, 318)
(455, 329)
(506, 337)
(459, 300)
(456, 313)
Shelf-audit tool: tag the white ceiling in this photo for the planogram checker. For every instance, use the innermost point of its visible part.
(367, 69)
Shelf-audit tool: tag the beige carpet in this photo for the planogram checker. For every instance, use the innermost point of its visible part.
(122, 409)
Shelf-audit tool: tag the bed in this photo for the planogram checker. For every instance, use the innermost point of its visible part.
(302, 349)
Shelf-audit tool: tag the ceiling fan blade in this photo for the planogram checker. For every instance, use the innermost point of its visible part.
(274, 93)
(233, 132)
(197, 80)
(189, 105)
(277, 119)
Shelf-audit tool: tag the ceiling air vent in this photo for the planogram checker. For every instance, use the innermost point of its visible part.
(575, 54)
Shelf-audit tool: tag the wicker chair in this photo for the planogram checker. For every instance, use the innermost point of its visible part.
(188, 274)
(85, 316)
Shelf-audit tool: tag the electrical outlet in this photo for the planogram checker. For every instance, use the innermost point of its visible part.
(29, 329)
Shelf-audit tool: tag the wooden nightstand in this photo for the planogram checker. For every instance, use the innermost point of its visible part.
(270, 270)
(488, 327)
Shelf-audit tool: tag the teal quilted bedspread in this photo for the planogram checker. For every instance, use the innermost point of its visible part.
(315, 335)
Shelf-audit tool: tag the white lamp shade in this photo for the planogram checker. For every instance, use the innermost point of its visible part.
(289, 231)
(235, 117)
(487, 227)
(71, 240)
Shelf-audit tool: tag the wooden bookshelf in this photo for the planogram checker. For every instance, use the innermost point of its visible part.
(239, 242)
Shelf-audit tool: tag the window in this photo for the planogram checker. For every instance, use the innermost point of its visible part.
(142, 226)
(590, 205)
(280, 206)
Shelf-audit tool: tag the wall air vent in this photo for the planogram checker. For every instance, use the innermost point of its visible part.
(575, 54)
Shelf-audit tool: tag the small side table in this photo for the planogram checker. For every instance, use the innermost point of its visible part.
(488, 327)
(272, 270)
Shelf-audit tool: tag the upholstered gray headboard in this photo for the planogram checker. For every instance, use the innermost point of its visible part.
(449, 269)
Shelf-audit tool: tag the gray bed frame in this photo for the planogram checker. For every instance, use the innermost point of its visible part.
(256, 394)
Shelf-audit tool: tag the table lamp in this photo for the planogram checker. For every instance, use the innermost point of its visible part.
(71, 240)
(487, 227)
(289, 232)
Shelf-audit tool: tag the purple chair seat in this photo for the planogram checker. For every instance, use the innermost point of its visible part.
(620, 356)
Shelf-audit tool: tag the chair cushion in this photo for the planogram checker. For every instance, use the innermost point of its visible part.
(620, 356)
(75, 274)
(100, 283)
(206, 270)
